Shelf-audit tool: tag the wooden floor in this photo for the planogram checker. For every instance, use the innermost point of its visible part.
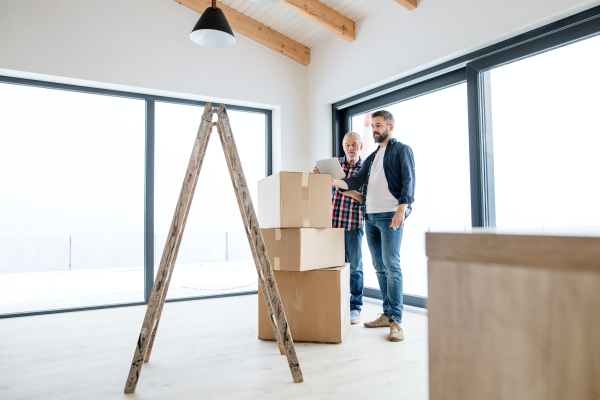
(204, 349)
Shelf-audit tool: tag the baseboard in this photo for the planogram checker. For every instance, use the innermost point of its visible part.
(409, 299)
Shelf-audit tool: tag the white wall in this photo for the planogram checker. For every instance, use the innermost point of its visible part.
(392, 43)
(144, 46)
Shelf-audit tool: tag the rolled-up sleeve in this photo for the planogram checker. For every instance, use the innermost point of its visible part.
(407, 176)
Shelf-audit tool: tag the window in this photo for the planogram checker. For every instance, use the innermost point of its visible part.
(214, 257)
(435, 127)
(546, 135)
(77, 169)
(533, 131)
(71, 190)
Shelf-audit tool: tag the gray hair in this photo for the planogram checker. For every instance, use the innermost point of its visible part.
(352, 134)
(389, 118)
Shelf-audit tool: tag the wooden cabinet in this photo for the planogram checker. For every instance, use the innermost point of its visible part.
(514, 316)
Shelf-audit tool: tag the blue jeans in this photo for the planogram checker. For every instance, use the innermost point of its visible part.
(353, 240)
(384, 244)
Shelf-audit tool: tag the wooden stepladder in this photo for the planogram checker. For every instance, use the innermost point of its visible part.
(263, 266)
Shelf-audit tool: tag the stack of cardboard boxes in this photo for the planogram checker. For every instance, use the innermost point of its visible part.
(307, 256)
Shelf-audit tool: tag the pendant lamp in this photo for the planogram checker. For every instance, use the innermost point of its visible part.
(212, 29)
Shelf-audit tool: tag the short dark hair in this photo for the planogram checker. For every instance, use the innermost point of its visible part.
(389, 118)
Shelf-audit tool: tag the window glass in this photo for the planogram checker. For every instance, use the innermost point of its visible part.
(435, 126)
(214, 256)
(71, 199)
(546, 135)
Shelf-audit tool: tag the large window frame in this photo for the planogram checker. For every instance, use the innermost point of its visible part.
(473, 69)
(149, 153)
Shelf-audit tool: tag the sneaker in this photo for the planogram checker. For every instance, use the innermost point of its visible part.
(380, 322)
(354, 317)
(396, 334)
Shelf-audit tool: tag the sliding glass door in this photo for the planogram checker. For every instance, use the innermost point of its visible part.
(71, 196)
(89, 179)
(214, 257)
(435, 126)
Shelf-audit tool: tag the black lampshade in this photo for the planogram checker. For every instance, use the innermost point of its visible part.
(212, 29)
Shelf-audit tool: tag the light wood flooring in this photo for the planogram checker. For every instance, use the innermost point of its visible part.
(204, 349)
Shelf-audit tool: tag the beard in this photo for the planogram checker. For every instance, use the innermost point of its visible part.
(382, 136)
(350, 156)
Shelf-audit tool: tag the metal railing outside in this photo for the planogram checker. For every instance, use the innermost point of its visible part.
(26, 254)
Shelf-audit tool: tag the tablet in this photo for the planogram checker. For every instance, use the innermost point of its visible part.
(332, 167)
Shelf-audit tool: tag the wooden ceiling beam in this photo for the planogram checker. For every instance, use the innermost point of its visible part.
(408, 4)
(254, 30)
(324, 16)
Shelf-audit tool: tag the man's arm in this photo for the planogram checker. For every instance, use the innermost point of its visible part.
(357, 181)
(398, 220)
(407, 176)
(339, 183)
(354, 194)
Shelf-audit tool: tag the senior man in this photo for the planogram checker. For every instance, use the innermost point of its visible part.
(348, 214)
(388, 176)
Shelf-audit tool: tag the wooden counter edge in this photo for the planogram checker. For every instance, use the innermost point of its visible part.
(563, 252)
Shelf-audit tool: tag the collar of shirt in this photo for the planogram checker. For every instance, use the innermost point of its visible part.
(391, 143)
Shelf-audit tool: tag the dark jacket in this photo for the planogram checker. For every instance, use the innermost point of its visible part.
(399, 169)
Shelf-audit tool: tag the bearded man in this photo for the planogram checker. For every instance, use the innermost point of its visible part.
(388, 181)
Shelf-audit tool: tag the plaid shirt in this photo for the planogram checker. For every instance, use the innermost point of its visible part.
(347, 212)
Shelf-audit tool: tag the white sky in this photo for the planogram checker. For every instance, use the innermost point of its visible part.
(73, 164)
(546, 121)
(214, 207)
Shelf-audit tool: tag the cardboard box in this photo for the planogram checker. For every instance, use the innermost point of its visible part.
(316, 304)
(303, 249)
(295, 200)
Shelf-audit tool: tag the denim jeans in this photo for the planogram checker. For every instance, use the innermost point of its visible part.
(384, 244)
(354, 257)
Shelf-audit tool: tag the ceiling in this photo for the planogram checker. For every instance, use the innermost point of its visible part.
(292, 27)
(287, 22)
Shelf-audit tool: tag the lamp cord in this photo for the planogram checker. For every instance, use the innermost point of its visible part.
(214, 3)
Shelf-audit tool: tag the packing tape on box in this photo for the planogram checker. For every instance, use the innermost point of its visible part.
(322, 324)
(305, 193)
(305, 188)
(305, 179)
(306, 223)
(277, 267)
(344, 305)
(277, 234)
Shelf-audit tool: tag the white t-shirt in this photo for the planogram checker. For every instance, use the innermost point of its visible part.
(379, 198)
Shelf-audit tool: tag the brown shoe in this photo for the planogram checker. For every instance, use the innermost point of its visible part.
(396, 334)
(380, 322)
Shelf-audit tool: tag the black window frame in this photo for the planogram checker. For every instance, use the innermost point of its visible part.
(474, 69)
(149, 140)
